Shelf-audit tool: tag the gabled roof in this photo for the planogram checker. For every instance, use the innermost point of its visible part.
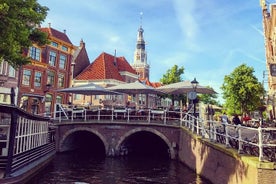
(57, 34)
(152, 84)
(80, 58)
(123, 65)
(106, 66)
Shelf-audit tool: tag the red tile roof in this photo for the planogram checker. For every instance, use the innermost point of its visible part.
(105, 66)
(123, 65)
(57, 34)
(152, 84)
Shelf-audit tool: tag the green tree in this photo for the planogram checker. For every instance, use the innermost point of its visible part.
(242, 91)
(209, 98)
(18, 20)
(173, 75)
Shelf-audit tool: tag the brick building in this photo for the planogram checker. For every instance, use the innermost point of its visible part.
(50, 69)
(106, 70)
(269, 24)
(8, 80)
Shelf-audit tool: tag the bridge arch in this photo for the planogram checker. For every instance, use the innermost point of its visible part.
(77, 129)
(147, 129)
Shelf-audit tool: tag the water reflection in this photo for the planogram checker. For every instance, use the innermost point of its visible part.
(77, 167)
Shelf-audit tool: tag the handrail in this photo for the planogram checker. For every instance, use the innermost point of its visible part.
(246, 140)
(20, 131)
(6, 108)
(126, 114)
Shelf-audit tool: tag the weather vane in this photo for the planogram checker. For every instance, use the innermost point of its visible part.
(141, 18)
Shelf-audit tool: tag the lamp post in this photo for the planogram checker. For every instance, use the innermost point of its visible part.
(194, 94)
(73, 64)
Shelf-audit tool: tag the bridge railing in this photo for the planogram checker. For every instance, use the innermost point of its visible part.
(117, 114)
(259, 142)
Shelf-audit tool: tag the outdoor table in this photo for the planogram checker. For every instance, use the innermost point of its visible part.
(156, 112)
(117, 111)
(75, 111)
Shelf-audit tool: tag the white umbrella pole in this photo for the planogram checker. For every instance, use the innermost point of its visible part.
(137, 101)
(147, 100)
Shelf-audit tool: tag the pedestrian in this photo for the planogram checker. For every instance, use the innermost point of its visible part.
(224, 118)
(236, 120)
(224, 121)
(246, 119)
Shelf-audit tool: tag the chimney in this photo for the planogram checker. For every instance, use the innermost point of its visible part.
(64, 31)
(82, 44)
(49, 25)
(115, 59)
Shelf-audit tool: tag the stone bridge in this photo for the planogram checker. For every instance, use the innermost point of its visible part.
(115, 136)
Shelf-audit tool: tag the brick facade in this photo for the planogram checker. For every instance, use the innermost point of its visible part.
(113, 136)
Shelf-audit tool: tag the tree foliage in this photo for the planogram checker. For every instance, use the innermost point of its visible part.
(242, 91)
(18, 20)
(172, 75)
(209, 98)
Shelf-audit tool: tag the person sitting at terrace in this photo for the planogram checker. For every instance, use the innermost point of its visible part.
(171, 108)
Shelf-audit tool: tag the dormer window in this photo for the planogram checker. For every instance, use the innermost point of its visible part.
(55, 44)
(64, 48)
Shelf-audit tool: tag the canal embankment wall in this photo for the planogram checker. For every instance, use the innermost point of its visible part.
(223, 165)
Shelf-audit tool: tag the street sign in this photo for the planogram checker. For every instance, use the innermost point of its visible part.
(192, 95)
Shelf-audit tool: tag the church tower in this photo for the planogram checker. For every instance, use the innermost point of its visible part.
(140, 55)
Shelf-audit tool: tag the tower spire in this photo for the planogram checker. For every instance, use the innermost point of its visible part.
(140, 54)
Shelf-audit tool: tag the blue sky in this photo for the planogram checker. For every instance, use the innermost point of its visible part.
(208, 38)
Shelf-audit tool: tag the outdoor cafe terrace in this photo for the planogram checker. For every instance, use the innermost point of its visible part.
(256, 141)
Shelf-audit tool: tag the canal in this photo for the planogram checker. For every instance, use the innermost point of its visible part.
(79, 167)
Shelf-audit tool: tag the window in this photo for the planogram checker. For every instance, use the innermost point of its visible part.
(4, 98)
(60, 80)
(11, 71)
(26, 77)
(64, 48)
(55, 44)
(62, 61)
(78, 97)
(48, 104)
(34, 53)
(52, 58)
(51, 78)
(2, 68)
(37, 80)
(59, 99)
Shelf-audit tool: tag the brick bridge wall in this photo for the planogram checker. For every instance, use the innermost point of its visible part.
(221, 165)
(212, 161)
(113, 135)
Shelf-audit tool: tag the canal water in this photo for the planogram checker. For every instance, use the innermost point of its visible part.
(81, 168)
